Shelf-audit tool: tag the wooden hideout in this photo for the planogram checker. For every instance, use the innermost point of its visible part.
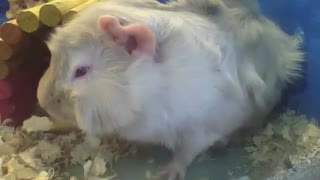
(33, 23)
(10, 32)
(49, 14)
(72, 12)
(22, 40)
(6, 50)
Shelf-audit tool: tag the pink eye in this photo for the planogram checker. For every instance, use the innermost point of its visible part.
(81, 71)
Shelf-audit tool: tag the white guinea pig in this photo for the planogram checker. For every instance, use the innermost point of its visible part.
(176, 74)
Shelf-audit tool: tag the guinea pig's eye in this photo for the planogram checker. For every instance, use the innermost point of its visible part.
(81, 71)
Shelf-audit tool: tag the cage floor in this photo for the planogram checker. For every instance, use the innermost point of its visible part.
(221, 165)
(230, 164)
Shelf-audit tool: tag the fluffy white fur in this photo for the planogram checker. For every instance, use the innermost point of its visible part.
(213, 74)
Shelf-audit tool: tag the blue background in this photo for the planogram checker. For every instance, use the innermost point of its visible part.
(302, 16)
(4, 5)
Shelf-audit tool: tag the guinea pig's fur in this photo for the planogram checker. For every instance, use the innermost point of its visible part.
(212, 74)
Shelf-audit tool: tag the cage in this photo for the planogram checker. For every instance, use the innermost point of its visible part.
(288, 148)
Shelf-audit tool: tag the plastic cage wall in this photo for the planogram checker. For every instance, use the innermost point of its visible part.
(303, 17)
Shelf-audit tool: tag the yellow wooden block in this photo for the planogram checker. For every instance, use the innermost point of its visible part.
(51, 13)
(72, 12)
(28, 20)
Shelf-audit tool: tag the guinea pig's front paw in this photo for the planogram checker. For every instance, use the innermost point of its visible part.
(172, 171)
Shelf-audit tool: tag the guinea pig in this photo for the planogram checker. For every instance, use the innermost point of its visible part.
(172, 74)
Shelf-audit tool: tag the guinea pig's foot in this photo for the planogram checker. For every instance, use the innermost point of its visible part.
(172, 171)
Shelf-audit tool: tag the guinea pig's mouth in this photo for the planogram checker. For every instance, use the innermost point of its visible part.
(39, 111)
(64, 123)
(59, 124)
(61, 119)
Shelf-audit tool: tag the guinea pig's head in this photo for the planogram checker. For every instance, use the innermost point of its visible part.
(87, 80)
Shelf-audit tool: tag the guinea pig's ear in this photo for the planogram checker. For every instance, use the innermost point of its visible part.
(138, 39)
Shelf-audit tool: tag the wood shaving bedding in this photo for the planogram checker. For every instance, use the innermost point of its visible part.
(33, 152)
(288, 143)
(291, 143)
